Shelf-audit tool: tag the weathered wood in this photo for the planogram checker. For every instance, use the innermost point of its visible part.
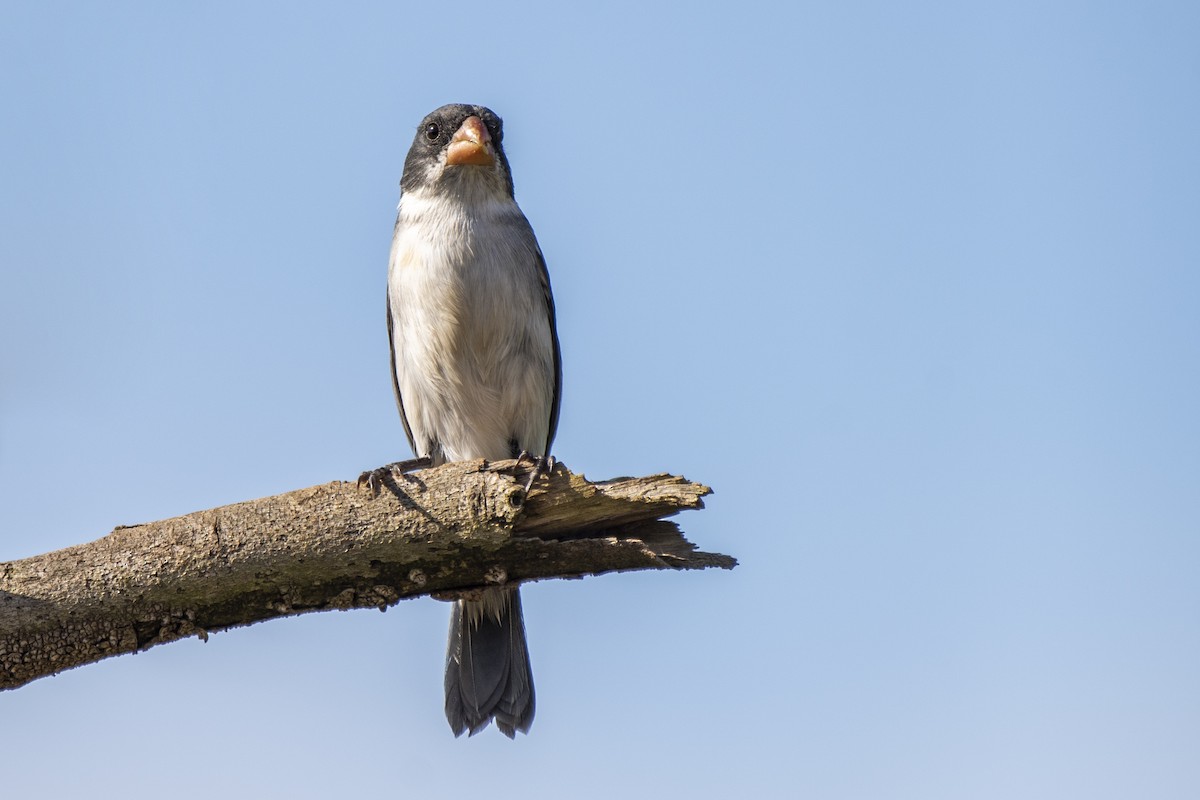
(443, 532)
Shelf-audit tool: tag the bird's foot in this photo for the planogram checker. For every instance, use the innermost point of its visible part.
(541, 466)
(373, 479)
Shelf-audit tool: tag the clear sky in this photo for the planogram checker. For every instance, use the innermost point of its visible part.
(914, 286)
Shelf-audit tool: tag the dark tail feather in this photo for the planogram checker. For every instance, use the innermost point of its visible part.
(487, 665)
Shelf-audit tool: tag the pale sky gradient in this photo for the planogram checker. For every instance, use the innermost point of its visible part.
(915, 287)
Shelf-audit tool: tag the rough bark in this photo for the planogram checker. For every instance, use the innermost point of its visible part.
(442, 532)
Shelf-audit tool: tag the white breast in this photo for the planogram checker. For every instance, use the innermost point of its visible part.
(470, 326)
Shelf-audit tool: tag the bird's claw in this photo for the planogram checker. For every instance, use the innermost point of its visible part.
(541, 466)
(374, 479)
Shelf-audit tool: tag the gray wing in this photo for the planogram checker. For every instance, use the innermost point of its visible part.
(556, 402)
(396, 378)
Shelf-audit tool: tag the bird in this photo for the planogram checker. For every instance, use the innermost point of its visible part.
(476, 368)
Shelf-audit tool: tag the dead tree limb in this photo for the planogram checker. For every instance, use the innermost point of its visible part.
(442, 532)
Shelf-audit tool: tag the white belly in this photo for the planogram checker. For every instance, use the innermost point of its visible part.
(471, 331)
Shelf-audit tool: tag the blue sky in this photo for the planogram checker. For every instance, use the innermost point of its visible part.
(914, 287)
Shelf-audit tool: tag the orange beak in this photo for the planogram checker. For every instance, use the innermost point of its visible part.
(471, 145)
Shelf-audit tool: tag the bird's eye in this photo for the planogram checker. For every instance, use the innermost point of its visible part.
(432, 131)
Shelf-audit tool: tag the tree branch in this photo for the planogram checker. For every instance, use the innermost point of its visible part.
(444, 532)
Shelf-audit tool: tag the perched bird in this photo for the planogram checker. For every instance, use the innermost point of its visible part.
(476, 367)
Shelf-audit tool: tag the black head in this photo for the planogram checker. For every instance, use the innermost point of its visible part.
(458, 144)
